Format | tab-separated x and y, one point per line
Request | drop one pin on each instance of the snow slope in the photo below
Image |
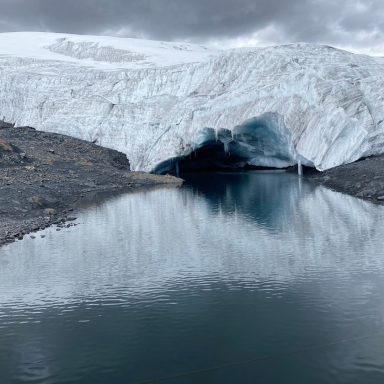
156	101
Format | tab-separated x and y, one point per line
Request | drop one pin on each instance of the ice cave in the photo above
258	143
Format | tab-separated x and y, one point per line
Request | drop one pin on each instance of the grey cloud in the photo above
327	21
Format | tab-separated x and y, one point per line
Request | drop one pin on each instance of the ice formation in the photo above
172	103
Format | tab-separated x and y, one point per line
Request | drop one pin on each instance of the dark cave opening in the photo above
213	156
259	143
210	157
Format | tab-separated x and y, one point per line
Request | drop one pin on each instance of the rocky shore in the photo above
363	179
45	177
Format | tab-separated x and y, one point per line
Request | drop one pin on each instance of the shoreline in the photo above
363	179
45	178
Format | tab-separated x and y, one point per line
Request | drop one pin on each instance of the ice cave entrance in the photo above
259	143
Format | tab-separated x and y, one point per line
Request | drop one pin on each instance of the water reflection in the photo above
229	267
270	199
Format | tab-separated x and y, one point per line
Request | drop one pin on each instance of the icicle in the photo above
216	135
299	168
226	147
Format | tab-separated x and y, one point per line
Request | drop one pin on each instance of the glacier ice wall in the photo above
156	101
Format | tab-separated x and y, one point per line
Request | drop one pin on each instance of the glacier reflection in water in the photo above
244	277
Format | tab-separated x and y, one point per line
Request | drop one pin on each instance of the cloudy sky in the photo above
351	24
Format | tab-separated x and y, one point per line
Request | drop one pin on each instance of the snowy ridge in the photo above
156	101
100	52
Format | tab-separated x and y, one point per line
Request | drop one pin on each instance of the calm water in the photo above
234	278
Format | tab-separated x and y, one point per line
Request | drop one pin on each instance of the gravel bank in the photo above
363	179
45	177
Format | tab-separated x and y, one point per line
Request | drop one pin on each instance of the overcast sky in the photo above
350	24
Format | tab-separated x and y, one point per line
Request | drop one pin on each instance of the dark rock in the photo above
35	190
363	179
49	212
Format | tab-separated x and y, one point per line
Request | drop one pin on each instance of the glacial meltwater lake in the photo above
234	278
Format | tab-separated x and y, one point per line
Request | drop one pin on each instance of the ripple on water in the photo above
170	281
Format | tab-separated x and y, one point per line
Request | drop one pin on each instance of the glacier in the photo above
170	105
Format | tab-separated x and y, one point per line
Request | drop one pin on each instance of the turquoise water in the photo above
233	278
